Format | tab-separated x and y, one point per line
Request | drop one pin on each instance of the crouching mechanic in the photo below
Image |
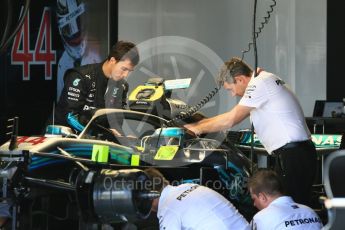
192	206
278	211
96	86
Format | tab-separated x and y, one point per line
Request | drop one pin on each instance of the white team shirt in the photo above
284	213
277	116
191	206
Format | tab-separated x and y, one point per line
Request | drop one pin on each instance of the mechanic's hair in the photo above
232	68
123	50
266	181
157	179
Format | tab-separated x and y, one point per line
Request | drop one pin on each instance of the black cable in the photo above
43	212
20	23
261	27
255	74
254	40
193	109
8	21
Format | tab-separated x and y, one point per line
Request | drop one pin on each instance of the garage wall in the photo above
293	44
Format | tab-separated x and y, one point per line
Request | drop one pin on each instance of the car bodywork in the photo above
62	178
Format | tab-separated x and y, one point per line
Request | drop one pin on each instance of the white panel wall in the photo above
292	45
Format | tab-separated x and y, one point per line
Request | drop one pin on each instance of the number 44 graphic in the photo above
43	54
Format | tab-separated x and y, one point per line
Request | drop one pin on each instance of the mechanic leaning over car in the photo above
278	121
192	206
95	86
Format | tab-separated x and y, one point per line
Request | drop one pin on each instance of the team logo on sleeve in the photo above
249	90
76	82
280	82
114	94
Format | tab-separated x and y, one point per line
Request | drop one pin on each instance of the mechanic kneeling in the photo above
192	206
277	210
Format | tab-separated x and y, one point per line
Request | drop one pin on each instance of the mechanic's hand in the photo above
192	130
116	133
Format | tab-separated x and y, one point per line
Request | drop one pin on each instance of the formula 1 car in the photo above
97	178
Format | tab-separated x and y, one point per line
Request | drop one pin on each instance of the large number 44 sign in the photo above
43	54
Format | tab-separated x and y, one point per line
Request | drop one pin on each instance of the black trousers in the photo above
296	165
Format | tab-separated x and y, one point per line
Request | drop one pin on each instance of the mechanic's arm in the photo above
220	122
74	95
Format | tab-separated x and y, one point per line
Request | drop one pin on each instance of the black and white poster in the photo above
55	35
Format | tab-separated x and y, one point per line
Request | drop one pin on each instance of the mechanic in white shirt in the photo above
192	206
278	121
276	210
